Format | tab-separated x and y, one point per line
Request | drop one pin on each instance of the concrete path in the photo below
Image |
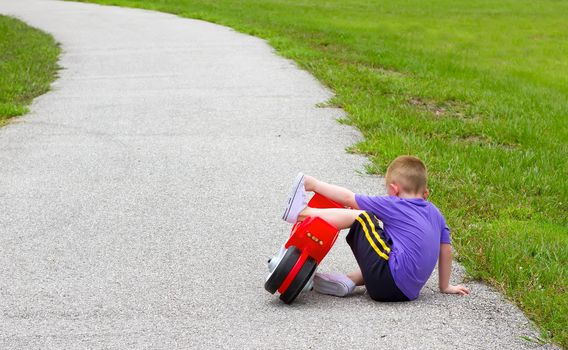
141	197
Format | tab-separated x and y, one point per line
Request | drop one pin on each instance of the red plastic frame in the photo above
314	237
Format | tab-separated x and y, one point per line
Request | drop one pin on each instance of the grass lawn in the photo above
28	64
476	88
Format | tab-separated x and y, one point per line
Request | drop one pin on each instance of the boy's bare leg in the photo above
337	194
340	218
357	277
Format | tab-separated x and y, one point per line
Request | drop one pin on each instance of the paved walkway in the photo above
141	198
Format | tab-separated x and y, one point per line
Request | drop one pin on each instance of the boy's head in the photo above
407	177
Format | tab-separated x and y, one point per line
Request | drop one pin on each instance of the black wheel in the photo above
299	281
282	270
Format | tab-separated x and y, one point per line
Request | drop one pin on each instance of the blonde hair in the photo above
409	173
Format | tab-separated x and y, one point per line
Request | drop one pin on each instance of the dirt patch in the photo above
450	108
486	141
386	72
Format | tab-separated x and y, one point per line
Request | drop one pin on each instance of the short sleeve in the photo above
445	236
379	206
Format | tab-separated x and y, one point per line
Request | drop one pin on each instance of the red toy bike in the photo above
310	241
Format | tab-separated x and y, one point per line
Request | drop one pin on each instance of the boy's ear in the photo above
426	193
393	189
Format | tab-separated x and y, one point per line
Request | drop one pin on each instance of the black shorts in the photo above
371	248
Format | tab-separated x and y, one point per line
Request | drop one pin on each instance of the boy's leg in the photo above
337	194
340	218
357	277
297	210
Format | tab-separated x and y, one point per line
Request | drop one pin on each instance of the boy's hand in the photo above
459	289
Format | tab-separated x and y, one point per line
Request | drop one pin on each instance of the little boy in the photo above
395	260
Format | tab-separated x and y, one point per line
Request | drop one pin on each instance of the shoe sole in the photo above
292	195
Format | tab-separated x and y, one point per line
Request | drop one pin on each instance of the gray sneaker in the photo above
333	284
297	200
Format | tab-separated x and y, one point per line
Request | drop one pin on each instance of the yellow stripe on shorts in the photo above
385	247
381	254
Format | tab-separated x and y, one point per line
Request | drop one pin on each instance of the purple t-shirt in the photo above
417	228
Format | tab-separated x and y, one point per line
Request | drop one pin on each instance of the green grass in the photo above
477	88
28	64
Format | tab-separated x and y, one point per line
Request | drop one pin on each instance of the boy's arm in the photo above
444	271
337	194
